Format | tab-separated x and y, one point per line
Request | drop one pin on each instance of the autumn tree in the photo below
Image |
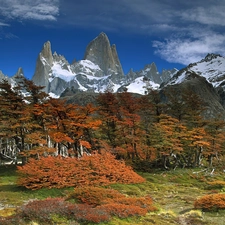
167	140
13	117
215	137
68	126
109	114
194	108
132	136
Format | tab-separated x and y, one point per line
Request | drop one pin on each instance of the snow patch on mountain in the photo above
213	70
58	71
212	67
140	85
88	64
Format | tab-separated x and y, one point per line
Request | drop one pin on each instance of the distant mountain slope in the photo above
207	79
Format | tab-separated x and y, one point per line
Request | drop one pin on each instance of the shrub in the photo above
43	211
212	202
113	202
123	210
95	170
94	195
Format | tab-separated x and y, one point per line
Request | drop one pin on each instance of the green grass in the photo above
12	195
173	193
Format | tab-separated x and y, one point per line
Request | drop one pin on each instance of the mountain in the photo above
14	79
207	79
99	70
105	56
209	96
212	67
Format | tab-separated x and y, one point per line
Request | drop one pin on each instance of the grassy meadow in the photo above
173	192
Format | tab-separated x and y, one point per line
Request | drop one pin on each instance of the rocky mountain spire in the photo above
151	72
100	52
47	52
19	75
117	62
19	72
2	76
43	67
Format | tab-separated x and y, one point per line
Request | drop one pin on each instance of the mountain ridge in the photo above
98	71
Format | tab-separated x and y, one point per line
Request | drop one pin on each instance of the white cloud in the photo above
208	14
4	24
189	50
30	9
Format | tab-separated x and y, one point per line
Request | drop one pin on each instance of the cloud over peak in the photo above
186	50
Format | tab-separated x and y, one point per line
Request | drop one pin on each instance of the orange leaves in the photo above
60	137
211	202
113	201
98	169
85	144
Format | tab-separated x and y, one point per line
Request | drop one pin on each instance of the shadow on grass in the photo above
12	188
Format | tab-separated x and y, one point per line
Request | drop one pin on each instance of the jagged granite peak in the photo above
119	73
100	52
131	75
18	77
19	72
43	67
168	74
46	53
210	56
2	76
61	60
150	71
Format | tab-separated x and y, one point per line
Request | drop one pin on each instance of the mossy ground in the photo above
173	193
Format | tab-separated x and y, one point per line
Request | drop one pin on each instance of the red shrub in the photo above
95	170
94	195
42	210
115	203
122	210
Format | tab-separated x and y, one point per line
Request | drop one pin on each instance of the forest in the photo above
144	131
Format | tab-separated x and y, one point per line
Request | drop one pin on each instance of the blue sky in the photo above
170	33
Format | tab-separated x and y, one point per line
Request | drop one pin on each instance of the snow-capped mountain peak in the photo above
212	67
